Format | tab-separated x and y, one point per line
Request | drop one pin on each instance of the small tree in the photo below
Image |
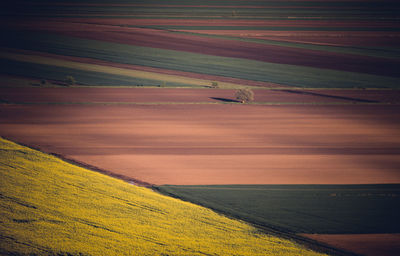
244	95
43	81
70	80
214	85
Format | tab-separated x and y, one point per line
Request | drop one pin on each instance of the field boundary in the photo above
271	230
130	180
199	103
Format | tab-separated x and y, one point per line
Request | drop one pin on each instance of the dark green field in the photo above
322	209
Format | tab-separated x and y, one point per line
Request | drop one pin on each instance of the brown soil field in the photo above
236	23
219	144
194	6
328	95
222	47
364	244
143	95
378	96
111	95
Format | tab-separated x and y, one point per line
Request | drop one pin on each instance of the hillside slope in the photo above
50	207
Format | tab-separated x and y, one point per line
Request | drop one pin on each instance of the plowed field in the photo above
364	244
146	95
219	144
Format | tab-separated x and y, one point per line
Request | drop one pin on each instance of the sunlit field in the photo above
50	207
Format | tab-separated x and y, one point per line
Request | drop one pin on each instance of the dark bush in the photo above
244	95
214	85
70	80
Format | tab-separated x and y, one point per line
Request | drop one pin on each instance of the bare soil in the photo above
364	244
145	95
237	23
113	95
219	144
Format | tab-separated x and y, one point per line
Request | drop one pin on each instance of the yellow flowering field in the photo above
50	207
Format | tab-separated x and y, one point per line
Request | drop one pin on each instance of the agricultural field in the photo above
38	94
288	43
314	158
216	143
314	209
50	207
177	136
359	213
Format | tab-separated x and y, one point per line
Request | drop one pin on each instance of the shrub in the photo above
70	80
214	85
43	81
244	95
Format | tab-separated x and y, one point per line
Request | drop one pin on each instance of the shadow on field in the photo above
223	99
331	96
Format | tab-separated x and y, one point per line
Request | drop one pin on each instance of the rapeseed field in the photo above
50	207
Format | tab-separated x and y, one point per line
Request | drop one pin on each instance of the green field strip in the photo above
136	76
380	52
51	207
83	77
372	51
324	209
198	63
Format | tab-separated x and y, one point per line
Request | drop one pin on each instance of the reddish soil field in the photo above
143	95
327	95
226	48
120	95
219	144
364	244
236	23
377	96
